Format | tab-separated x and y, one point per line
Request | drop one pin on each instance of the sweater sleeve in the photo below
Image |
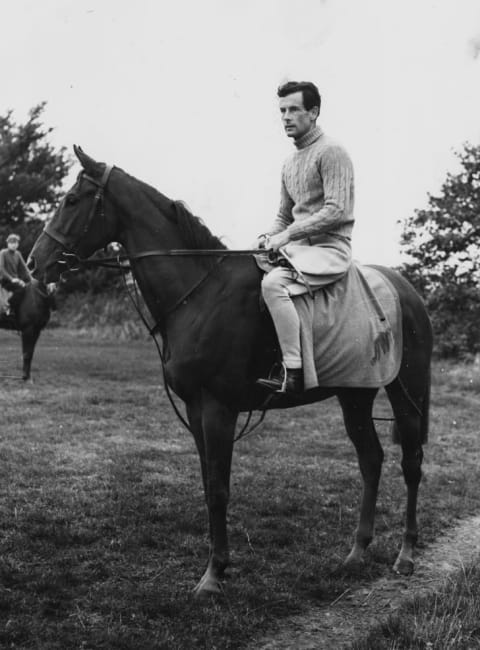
284	217
335	169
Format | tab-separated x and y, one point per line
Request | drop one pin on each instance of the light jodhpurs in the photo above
280	283
284	314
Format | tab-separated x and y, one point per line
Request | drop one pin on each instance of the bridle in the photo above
62	239
73	262
70	256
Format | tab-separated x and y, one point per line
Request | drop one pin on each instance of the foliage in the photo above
104	316
443	245
31	176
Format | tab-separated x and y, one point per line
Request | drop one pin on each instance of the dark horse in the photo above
217	341
32	314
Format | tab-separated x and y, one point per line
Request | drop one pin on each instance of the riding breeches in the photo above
284	315
281	283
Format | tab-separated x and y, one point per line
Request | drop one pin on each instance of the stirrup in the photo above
290	381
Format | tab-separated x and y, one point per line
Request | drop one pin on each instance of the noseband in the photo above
62	239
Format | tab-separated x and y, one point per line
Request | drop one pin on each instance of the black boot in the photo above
289	381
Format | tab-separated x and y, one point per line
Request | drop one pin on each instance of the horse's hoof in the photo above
355	559
353	565
403	566
207	588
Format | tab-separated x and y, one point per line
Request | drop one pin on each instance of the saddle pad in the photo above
351	331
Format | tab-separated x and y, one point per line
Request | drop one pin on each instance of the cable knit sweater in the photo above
317	191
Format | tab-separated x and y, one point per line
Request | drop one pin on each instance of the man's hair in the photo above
13	237
310	94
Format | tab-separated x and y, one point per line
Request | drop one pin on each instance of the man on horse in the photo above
312	231
14	274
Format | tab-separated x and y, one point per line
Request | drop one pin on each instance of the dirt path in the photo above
355	612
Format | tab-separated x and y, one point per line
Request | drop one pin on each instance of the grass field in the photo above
103	525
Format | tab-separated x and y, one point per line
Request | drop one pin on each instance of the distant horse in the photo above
217	341
31	316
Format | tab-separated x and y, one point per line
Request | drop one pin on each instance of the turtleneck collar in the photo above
309	138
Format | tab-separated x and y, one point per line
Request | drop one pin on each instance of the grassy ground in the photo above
448	617
103	527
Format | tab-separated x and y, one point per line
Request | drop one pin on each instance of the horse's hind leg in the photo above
357	412
411	421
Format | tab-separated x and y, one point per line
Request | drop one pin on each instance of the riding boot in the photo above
290	381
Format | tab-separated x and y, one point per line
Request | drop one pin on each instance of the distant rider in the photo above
14	274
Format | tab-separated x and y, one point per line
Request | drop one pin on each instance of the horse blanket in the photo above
351	331
4	296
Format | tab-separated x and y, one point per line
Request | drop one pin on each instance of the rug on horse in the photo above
4	296
351	331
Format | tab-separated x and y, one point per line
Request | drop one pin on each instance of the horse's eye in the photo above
71	199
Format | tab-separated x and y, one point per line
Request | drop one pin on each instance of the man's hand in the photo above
275	242
260	242
18	281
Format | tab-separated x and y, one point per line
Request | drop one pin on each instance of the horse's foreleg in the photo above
29	339
357	413
218	425
194	414
409	423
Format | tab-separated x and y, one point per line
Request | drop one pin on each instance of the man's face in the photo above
12	245
296	119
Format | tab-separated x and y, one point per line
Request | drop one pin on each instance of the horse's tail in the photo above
424	412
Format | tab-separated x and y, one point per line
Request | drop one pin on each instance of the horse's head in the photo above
81	224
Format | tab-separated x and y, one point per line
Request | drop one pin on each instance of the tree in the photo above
443	246
31	176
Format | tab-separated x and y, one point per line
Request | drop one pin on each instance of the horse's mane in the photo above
192	229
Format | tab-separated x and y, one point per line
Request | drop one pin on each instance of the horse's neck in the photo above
162	280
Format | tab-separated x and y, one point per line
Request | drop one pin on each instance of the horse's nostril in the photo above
31	264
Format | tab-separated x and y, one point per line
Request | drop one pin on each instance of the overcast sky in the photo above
182	94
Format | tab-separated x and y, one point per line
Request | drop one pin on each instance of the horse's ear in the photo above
90	165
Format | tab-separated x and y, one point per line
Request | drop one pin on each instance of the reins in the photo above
70	258
113	262
244	431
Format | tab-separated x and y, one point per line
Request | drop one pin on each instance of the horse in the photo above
31	316
217	340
